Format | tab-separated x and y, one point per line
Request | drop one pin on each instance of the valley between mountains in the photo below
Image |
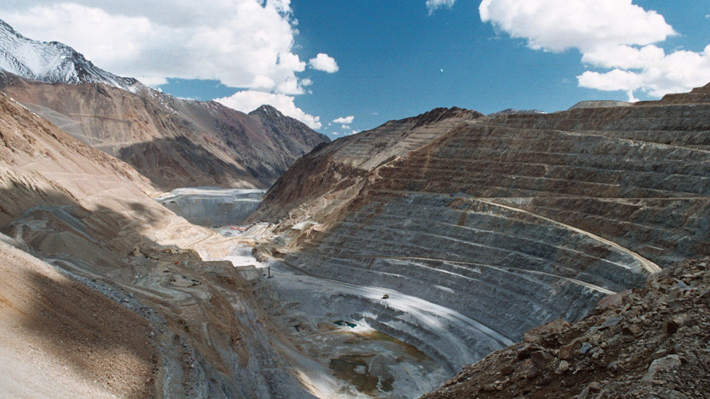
154	247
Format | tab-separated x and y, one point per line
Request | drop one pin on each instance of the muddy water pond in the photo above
368	372
356	370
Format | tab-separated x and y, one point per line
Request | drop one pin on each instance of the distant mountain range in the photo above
173	142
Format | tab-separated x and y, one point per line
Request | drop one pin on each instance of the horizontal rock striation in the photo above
646	196
518	219
334	173
506	269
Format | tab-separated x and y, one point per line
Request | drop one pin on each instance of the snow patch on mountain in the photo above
53	62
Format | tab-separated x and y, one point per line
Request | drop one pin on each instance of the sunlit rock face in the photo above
513	220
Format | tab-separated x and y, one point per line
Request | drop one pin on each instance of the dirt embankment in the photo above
59	338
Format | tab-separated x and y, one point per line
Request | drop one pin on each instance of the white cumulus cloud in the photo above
433	5
152	81
249	100
556	25
241	43
324	62
344	120
666	73
245	44
613	35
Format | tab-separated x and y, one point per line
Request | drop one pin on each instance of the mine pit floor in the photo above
328	323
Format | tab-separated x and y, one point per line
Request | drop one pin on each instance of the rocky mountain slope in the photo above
173	142
334	173
110	296
513	220
642	343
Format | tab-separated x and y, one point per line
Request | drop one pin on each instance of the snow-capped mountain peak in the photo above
52	62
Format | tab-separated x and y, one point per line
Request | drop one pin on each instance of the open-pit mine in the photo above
378	265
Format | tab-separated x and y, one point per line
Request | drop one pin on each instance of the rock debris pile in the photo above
642	343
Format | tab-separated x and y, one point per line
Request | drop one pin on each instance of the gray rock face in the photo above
504	268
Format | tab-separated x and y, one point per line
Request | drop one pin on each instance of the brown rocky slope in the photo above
643	343
334	173
110	297
173	142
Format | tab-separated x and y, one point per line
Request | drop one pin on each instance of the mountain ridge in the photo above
74	319
174	142
53	62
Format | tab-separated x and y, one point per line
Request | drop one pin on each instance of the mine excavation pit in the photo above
367	338
408	288
189	233
334	324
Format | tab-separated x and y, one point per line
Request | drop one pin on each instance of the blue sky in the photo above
365	62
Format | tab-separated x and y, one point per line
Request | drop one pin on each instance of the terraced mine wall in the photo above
517	220
332	174
503	268
642	193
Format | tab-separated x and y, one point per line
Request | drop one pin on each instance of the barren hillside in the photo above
645	343
173	142
112	298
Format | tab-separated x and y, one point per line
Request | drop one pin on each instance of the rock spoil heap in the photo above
643	343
